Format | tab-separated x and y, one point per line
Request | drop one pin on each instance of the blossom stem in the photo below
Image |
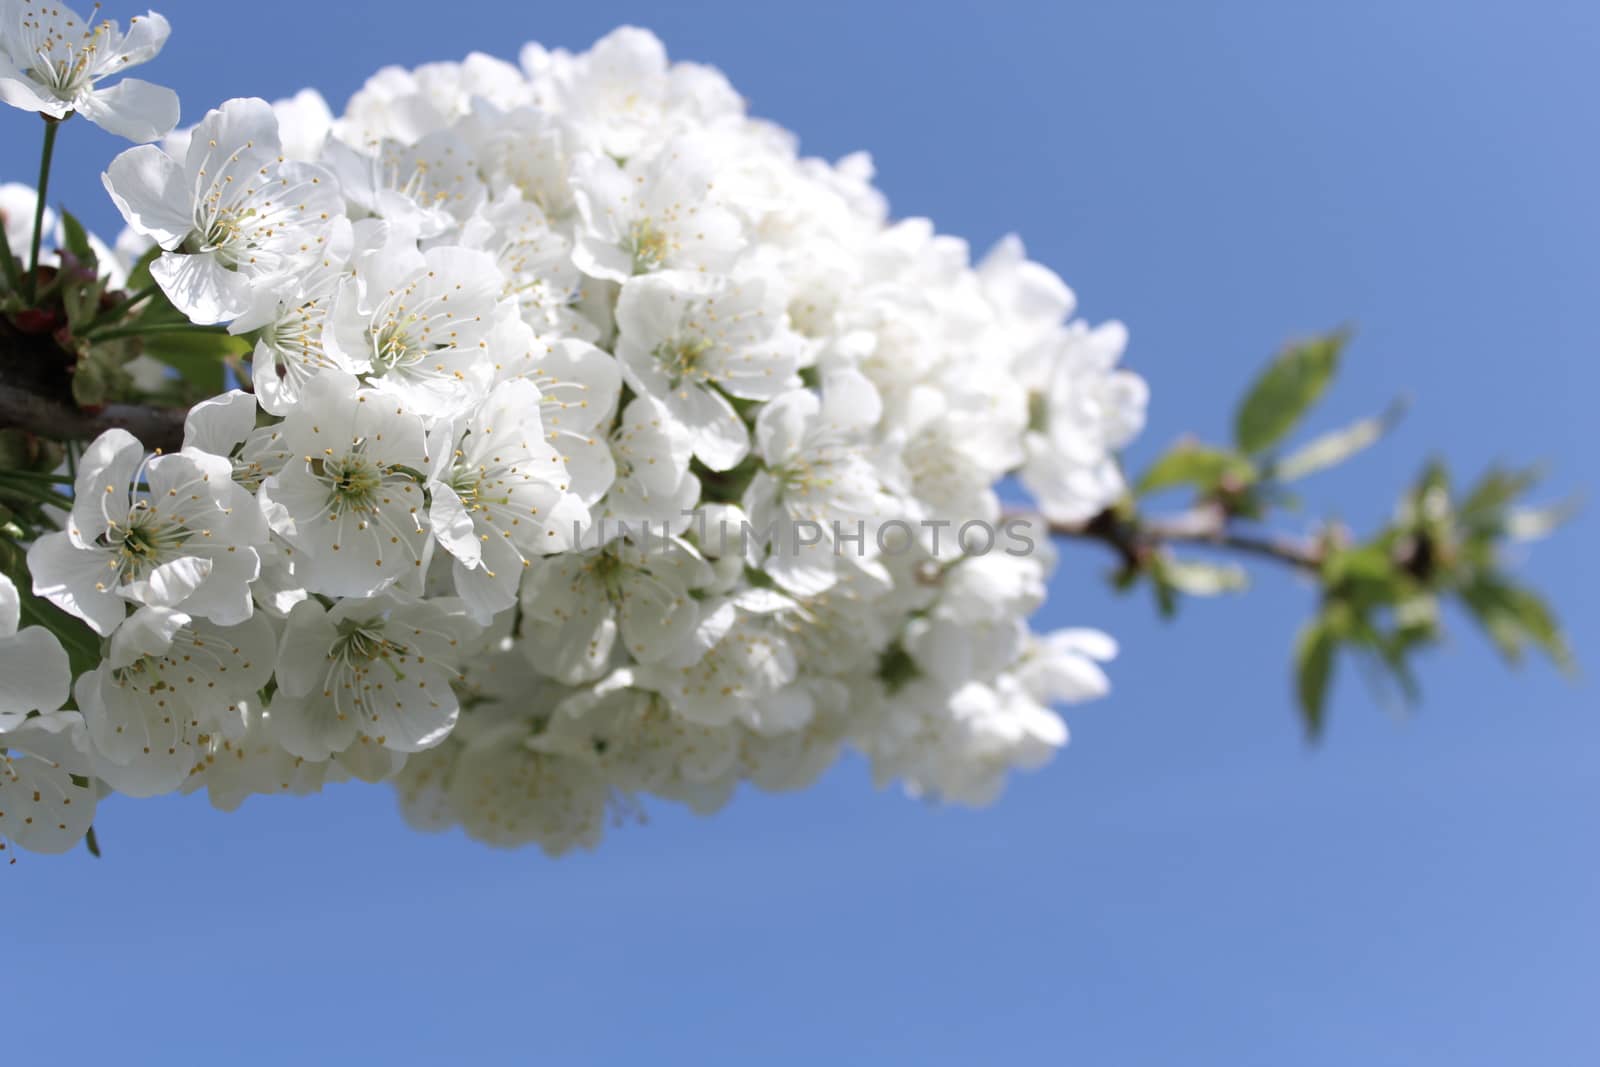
149	328
40	476
50	127
38	492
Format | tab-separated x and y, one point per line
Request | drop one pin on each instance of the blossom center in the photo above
353	481
680	358
64	66
648	244
144	542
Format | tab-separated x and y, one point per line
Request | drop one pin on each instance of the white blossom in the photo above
233	215
170	531
350	500
501	499
377	670
169	683
52	61
692	342
596	447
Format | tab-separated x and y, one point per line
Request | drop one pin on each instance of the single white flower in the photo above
529	151
1029	299
1083	410
622	96
1063	666
377	669
289	321
956	440
652	213
692	341
978	625
170	683
52	61
744	676
235	215
418	325
654	487
350	502
578	389
233	769
171	531
508	792
959	745
536	263
427	188
818	481
576	606
46	804
501	499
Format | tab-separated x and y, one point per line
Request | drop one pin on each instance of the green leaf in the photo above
1485	504
1541	626
1313	658
1515	617
1366	573
1285	391
198	356
1200	466
76	240
139	275
1332	449
1166	593
80	280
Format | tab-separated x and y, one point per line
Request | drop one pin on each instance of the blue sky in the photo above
1189	882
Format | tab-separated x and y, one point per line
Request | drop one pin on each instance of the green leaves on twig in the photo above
1285	391
1380	600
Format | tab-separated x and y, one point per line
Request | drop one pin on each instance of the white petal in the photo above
452	525
133	109
147	35
10	606
201	287
720	437
148	187
34	673
74	580
170	584
220	424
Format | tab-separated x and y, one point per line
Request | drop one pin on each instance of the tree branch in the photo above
155	427
1209	526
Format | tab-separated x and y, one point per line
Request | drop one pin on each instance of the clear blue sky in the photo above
1188	883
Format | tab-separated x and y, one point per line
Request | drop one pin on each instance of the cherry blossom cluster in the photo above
530	341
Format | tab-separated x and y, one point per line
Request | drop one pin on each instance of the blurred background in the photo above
1190	882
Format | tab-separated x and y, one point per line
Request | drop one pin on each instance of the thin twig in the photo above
1207	526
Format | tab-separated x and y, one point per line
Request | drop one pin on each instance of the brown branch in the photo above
155	427
1136	541
36	370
